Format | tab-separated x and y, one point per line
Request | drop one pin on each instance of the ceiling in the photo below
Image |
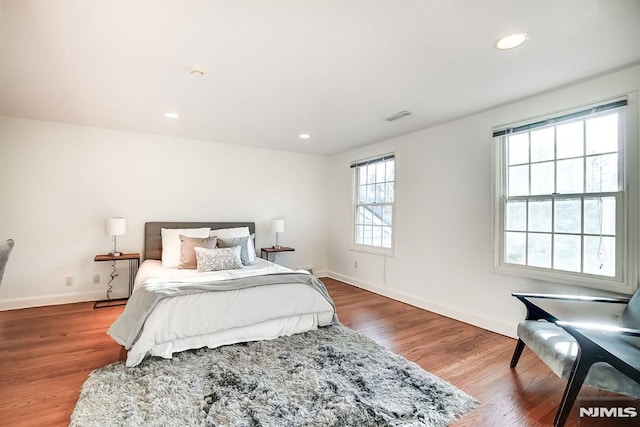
274	69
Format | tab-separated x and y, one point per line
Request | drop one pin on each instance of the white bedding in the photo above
150	269
220	318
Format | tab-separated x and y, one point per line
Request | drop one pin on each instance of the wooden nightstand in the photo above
134	263
265	252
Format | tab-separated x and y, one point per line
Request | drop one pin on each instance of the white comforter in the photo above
224	317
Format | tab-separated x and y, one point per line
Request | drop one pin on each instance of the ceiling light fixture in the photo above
197	71
398	115
511	41
304	136
171	115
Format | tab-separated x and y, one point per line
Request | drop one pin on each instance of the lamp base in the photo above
115	253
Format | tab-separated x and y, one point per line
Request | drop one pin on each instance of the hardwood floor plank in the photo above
48	352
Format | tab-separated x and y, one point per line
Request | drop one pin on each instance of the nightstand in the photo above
134	263
266	252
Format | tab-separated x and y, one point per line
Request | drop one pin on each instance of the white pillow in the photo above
171	243
227	233
252	248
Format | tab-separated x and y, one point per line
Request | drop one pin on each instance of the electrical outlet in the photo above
96	278
68	281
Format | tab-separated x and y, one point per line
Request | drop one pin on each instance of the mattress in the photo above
218	318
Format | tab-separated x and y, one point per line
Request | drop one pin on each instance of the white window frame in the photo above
371	248
626	280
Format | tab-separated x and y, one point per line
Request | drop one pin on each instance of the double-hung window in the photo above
374	202
561	198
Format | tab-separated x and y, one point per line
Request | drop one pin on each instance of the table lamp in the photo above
115	227
277	226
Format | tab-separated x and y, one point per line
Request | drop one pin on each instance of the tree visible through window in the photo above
374	201
561	194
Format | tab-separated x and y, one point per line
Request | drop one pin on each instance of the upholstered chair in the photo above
602	356
5	250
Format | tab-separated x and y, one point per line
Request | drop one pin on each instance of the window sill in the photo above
592	282
389	252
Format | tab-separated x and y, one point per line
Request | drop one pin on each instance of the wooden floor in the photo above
46	354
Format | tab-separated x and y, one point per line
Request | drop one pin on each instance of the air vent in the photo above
399	115
197	71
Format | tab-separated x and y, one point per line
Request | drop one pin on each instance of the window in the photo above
561	197
374	201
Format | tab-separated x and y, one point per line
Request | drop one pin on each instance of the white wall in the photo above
58	182
444	218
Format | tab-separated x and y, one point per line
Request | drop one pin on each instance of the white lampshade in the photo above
115	226
277	225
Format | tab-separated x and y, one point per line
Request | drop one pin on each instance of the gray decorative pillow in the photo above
218	259
187	254
243	242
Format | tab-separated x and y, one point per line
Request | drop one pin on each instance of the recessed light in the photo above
511	41
304	136
171	115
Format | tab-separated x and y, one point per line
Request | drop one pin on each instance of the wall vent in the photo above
399	115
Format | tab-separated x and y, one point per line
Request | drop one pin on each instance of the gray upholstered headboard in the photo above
153	236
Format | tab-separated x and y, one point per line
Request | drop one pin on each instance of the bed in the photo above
174	309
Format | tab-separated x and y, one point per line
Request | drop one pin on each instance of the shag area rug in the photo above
329	377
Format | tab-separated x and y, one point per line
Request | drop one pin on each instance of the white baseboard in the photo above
444	310
39	301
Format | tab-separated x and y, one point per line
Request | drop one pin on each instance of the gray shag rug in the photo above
332	376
